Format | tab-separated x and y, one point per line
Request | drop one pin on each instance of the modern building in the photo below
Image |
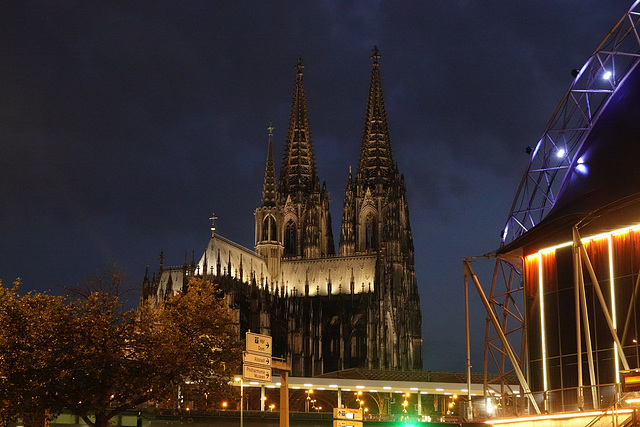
358	308
571	244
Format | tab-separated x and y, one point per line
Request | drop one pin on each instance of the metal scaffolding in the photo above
553	161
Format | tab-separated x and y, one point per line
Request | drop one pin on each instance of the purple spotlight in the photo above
606	75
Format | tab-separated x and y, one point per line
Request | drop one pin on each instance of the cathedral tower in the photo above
326	313
376	221
307	221
269	217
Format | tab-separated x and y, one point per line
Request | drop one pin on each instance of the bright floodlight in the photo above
606	75
582	168
560	152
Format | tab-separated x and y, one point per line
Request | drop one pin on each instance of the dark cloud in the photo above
123	125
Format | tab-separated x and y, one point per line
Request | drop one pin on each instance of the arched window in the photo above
265	229
273	235
290	240
370	233
269	229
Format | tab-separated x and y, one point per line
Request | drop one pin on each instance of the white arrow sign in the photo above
256	373
257	343
256	359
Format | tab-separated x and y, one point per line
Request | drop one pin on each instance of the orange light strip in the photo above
543	331
576	415
628	229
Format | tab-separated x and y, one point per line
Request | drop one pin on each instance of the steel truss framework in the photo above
553	160
554	157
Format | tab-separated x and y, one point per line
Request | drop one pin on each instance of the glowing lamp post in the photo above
358	395
308	400
405	403
241	396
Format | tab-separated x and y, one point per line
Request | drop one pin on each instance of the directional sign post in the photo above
343	417
256	365
260	344
346	423
256	359
347	414
254	373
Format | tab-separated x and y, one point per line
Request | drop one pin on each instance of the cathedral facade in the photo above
358	308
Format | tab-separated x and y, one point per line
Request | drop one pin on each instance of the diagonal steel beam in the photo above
468	272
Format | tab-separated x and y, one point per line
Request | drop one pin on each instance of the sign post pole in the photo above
257	367
284	369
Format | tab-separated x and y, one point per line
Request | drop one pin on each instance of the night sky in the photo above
124	125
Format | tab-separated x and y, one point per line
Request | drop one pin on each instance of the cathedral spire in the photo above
376	158
269	187
298	167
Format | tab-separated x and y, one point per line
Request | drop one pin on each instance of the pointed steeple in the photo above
298	167
269	187
376	158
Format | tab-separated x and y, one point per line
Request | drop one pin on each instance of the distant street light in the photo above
308	399
239	379
405	403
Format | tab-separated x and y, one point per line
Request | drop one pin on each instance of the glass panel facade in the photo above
551	317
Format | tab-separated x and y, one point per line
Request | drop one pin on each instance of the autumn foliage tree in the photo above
99	359
34	340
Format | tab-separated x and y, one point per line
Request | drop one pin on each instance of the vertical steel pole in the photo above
603	305
466	318
284	398
576	296
586	328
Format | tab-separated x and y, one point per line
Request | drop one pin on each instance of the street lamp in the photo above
239	379
359	399
452	404
308	399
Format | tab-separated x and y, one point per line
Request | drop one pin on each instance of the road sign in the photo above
255	373
257	360
347	414
346	423
257	343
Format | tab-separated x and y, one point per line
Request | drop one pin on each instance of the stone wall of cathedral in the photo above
360	309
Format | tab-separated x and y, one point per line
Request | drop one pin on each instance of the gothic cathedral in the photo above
325	312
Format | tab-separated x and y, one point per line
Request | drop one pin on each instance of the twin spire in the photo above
299	174
376	159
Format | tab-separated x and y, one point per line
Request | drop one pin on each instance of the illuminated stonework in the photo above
360	309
